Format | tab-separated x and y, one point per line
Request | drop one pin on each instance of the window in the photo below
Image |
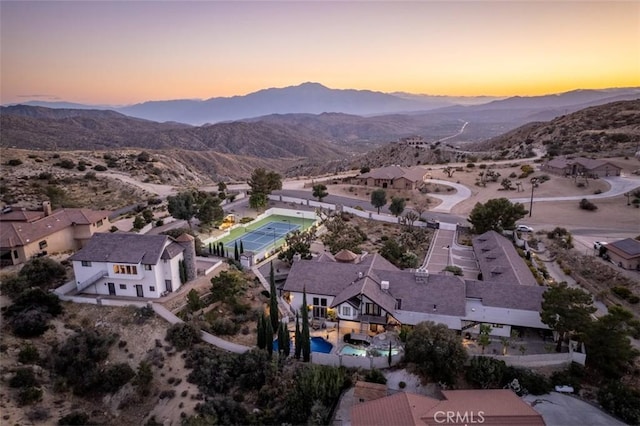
86	263
319	307
398	303
99	223
346	311
373	309
123	286
152	288
42	244
125	269
147	267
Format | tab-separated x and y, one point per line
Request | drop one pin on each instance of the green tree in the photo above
621	400
296	242
485	372
138	222
378	198
262	338
209	210
182	206
298	339
41	272
268	336
226	286
436	351
341	235
261	184
607	341
273	299
304	334
182	335
397	206
484	340
566	309
193	300
496	214
147	215
320	191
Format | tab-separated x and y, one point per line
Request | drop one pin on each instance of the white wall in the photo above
413	318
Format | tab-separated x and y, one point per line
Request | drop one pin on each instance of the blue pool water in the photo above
318	344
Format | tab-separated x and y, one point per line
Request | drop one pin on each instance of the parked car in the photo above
524	228
598	245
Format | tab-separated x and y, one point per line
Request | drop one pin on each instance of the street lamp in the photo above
534	182
274	237
301	215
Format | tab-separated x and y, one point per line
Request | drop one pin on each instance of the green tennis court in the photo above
264	236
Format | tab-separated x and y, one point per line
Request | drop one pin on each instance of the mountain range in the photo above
314	98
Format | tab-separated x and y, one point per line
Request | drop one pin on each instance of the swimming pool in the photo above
318	344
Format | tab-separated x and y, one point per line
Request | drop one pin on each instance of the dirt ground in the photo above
611	212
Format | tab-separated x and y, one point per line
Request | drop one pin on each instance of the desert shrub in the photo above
622	292
633	299
167	394
43	272
75	418
77	360
99	168
90	176
66	164
224	326
182	335
38	414
13	285
114	377
587	205
29	395
485	372
14	162
375	376
456	270
621	401
31	311
29	355
23	378
572	376
213	370
403	385
534	383
45	176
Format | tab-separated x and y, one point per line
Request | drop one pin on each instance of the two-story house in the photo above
368	294
26	233
128	264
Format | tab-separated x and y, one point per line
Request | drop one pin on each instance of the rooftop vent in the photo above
384	285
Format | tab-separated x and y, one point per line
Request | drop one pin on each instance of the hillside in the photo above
605	130
50	129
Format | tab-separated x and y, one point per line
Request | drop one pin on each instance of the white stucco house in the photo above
128	264
368	294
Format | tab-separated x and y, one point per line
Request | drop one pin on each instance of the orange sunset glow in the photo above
120	53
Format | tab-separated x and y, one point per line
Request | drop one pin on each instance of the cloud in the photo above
49	97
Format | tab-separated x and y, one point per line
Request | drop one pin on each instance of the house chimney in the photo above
384	285
46	208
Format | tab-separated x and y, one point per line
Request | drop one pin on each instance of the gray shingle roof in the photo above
172	250
628	246
499	261
123	248
501	295
446	292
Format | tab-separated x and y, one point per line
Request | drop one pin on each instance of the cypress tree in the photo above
285	340
269	337
273	299
306	339
221	249
236	254
182	269
241	247
261	332
298	339
390	356
210	248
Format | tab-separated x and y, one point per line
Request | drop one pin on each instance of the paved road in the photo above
560	410
619	186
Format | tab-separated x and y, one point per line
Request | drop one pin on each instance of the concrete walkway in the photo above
448	200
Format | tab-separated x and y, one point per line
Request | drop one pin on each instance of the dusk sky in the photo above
127	52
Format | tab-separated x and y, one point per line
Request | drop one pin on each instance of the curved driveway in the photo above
449	200
619	186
